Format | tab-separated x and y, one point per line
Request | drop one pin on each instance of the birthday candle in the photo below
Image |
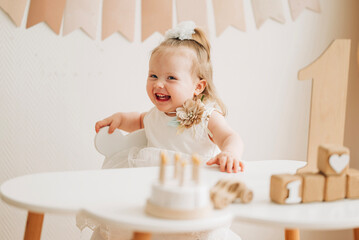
162	167
177	166
183	166
195	168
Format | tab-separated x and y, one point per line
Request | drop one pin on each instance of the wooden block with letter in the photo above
352	183
286	188
313	187
335	187
333	159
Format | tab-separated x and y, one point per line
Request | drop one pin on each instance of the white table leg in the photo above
141	236
292	234
356	233
33	226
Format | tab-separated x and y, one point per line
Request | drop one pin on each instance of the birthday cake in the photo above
180	196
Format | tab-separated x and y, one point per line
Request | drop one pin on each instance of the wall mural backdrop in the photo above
156	15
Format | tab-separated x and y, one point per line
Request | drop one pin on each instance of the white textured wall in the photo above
53	89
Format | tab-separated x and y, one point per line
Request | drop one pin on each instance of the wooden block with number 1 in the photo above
286	188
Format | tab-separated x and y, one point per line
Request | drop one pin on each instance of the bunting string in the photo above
195	10
298	6
156	15
15	9
264	9
118	15
81	14
49	11
230	13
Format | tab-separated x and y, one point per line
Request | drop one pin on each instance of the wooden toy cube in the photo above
333	159
286	188
313	187
335	187
352	183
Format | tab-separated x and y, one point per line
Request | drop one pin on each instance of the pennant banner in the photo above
297	6
15	9
156	17
81	14
49	11
228	12
195	10
118	15
264	9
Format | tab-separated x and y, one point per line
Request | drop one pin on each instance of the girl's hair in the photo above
202	67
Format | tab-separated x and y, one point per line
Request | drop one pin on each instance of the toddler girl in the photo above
187	116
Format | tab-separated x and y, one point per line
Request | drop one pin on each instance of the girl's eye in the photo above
153	76
171	78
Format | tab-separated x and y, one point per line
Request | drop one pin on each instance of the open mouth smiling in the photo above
162	97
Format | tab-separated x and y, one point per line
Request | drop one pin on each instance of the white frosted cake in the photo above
179	198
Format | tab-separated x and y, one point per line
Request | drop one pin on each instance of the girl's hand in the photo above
114	122
227	162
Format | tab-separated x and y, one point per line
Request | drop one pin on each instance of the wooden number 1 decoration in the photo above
329	74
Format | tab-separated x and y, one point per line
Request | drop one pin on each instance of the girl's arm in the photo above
228	141
128	122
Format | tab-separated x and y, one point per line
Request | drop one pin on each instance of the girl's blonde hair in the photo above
202	67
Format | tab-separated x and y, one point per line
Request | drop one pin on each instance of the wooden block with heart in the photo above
333	162
333	159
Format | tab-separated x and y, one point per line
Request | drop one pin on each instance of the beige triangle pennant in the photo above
49	11
264	9
156	17
298	6
118	15
228	12
15	9
82	14
194	10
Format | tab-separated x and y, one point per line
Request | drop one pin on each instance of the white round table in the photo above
126	190
335	215
134	218
341	214
113	196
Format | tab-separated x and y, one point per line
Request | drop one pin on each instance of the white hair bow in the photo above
182	31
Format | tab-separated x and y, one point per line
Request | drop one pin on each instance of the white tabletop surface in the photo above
119	195
335	215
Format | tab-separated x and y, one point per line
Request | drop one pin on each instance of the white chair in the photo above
117	146
130	150
109	144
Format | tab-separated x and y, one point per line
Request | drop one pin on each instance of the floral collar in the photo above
191	113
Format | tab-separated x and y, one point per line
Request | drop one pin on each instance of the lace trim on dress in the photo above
82	222
105	232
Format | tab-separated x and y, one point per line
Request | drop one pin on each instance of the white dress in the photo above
161	133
